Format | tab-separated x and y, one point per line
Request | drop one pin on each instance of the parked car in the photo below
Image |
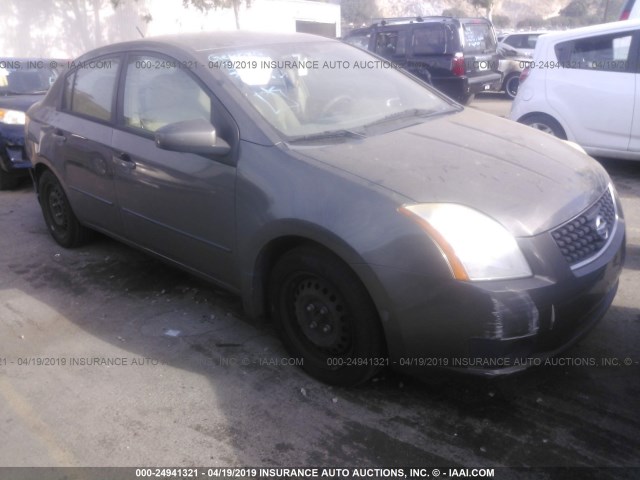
23	81
630	10
582	86
511	64
523	42
457	55
375	221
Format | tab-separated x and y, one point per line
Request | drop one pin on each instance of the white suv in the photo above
582	86
523	42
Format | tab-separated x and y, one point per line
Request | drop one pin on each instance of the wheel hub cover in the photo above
320	315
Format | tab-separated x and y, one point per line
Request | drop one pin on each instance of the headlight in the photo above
12	117
475	246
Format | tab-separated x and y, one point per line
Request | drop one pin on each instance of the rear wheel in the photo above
325	316
545	123
58	215
511	85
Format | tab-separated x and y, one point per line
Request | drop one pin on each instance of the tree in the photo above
359	11
488	5
531	22
454	12
589	12
612	10
206	5
67	28
501	21
576	8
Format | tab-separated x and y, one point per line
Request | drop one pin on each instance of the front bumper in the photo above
498	327
486	82
459	88
13	158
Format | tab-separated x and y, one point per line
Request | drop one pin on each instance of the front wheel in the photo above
546	124
58	215
325	317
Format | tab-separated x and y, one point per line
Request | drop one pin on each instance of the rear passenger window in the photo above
530	41
157	93
391	43
431	40
522	41
609	53
514	40
90	90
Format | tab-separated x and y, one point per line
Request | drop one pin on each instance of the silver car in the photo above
375	221
511	64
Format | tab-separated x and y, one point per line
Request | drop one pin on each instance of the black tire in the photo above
58	215
325	316
511	84
545	123
7	182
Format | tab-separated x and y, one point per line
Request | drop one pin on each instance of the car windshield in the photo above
314	90
16	79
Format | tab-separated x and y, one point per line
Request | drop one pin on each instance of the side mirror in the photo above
191	136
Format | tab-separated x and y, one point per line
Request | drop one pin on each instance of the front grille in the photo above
586	235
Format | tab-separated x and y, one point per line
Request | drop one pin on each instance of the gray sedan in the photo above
375	221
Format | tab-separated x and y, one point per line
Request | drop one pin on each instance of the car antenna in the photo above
140	32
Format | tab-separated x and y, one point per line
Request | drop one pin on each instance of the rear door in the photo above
81	134
480	52
595	90
178	205
433	46
391	43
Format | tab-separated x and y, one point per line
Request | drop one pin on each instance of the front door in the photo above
178	205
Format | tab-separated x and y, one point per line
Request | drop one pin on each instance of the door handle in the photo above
125	161
59	136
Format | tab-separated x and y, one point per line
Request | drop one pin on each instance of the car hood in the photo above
19	102
527	180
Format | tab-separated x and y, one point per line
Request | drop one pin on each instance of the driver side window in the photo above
157	93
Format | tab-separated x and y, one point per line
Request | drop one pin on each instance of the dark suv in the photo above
456	55
23	82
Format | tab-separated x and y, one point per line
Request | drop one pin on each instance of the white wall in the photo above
34	28
263	15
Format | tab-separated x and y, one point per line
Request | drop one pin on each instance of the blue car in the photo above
23	82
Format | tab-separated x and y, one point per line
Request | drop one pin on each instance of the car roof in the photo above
405	21
611	27
205	41
25	59
530	32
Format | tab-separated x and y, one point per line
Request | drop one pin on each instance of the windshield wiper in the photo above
414	112
344	133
